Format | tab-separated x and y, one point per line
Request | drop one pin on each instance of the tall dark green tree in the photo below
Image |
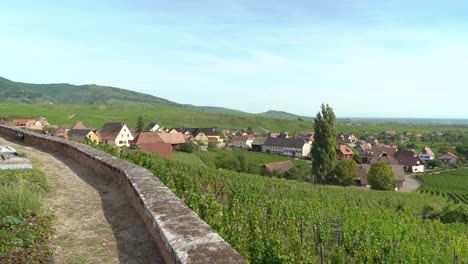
324	146
140	124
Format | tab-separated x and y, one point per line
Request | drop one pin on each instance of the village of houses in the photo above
163	141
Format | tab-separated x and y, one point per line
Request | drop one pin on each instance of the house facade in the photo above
290	147
410	160
344	152
244	142
449	158
116	134
426	154
83	134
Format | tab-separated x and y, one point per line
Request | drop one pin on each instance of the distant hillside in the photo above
283	115
91	94
63	93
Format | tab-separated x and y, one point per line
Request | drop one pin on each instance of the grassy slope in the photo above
451	184
166	116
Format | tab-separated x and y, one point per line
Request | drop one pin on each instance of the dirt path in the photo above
95	222
411	184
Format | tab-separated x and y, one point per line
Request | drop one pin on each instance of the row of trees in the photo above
326	169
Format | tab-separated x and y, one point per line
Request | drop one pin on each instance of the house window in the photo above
128	135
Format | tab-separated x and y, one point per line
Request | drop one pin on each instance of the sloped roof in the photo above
259	141
385	158
147	137
111	130
243	138
284	142
59	133
427	150
450	154
345	150
78	132
366	147
79	125
282	166
175	138
23	122
407	158
150	126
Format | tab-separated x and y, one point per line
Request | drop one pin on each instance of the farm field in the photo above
280	221
96	115
452	185
24	226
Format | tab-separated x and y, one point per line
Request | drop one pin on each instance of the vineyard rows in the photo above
279	221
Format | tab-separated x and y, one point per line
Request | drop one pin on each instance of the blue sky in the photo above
364	58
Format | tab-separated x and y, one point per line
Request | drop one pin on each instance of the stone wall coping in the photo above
180	234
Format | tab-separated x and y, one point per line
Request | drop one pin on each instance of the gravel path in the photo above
94	220
411	184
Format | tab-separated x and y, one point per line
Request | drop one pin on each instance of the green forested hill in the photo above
91	94
63	93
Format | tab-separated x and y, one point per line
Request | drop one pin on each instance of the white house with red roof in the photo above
243	141
426	154
116	134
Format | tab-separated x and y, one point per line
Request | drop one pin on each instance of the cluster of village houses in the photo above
163	141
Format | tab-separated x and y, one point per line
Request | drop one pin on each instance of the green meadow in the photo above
175	116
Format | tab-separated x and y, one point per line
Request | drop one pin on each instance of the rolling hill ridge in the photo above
92	94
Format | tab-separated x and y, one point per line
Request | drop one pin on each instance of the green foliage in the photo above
324	146
451	213
344	173
380	176
435	163
24	227
253	162
167	115
271	220
140	125
450	184
189	147
212	145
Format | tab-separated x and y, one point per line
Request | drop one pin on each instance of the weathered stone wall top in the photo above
181	236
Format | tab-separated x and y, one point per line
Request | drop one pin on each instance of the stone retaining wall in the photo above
180	235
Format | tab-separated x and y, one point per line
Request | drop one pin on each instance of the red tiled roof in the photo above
172	138
451	154
110	131
428	151
147	137
366	147
243	138
22	122
407	158
385	158
79	125
281	166
345	150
